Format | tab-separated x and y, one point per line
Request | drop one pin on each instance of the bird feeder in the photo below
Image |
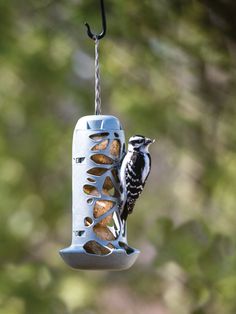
99	237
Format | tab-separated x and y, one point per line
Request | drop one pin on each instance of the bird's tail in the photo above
128	209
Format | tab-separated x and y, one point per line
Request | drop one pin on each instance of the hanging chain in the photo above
98	106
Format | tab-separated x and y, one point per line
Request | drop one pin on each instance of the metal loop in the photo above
104	25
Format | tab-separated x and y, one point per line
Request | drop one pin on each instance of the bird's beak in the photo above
149	141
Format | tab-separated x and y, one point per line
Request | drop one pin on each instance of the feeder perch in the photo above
99	239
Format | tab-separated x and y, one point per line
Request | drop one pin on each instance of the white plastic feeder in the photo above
99	239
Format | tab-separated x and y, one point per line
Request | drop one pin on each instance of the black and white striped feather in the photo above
135	170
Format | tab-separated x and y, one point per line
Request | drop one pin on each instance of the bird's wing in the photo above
134	174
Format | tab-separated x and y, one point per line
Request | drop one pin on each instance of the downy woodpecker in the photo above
134	171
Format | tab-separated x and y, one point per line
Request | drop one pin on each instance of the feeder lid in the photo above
98	122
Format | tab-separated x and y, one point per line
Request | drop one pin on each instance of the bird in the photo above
134	171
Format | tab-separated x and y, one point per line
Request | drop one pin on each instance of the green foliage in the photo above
168	71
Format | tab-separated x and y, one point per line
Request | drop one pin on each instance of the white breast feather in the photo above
146	168
122	173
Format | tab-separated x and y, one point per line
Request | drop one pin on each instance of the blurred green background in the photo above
168	72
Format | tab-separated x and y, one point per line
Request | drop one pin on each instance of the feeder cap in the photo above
98	122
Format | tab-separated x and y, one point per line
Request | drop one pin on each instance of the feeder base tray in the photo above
118	259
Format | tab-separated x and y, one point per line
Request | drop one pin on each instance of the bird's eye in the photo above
136	142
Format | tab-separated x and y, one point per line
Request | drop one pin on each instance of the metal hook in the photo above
104	25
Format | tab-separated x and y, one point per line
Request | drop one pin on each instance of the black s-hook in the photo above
104	25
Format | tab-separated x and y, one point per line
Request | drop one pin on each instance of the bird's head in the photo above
139	143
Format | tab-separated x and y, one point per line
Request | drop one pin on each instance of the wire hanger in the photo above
104	25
